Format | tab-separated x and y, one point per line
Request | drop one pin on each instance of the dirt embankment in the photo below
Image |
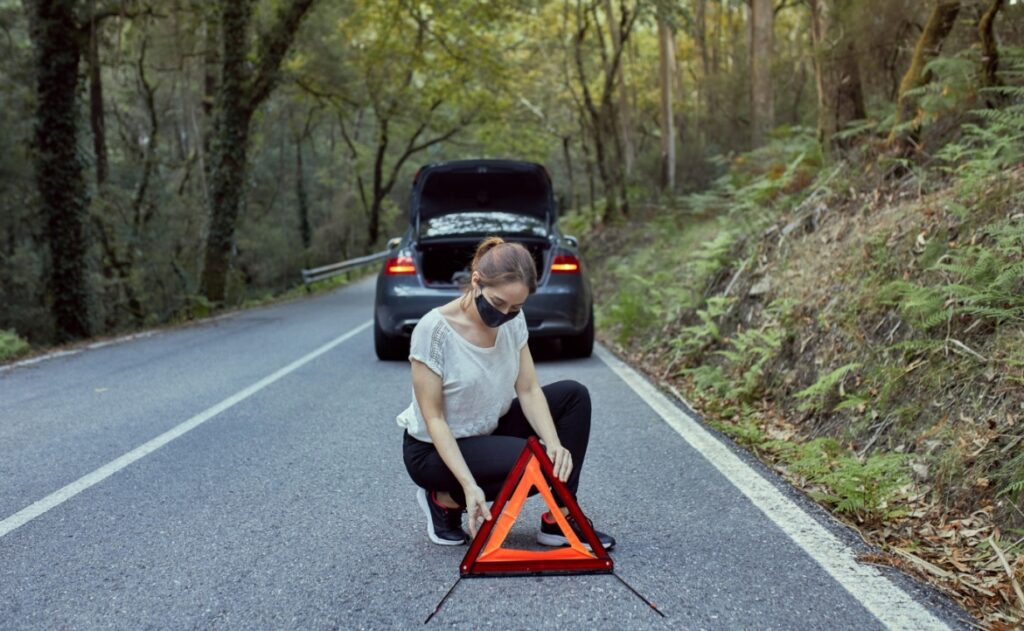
860	345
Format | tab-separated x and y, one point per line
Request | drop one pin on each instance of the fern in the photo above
819	390
864	489
998	142
751	351
1013	487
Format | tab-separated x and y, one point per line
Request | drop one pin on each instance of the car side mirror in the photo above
393	242
572	241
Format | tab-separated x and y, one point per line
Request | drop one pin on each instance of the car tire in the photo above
581	345
388	347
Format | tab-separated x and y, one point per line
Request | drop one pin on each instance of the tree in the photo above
762	109
666	66
416	75
599	108
836	71
989	50
241	91
940	23
59	171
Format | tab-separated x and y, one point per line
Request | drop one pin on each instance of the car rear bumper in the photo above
561	308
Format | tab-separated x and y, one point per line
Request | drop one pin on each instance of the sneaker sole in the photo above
545	539
421	499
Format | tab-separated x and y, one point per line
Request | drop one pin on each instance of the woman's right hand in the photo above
476	508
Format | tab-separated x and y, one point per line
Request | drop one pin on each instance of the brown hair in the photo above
499	262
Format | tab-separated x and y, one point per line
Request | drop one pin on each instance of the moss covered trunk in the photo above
939	25
59	171
228	148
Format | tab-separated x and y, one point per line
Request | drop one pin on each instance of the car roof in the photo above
502	163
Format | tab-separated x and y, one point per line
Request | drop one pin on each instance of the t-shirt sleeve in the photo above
426	345
522	333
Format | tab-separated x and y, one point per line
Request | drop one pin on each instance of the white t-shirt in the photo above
478	384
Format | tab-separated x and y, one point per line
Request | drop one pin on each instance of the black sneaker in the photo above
551	535
444	525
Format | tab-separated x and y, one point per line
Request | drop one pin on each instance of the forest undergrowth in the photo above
859	326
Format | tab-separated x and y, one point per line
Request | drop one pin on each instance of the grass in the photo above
12	346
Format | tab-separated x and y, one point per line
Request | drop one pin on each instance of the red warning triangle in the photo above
533	470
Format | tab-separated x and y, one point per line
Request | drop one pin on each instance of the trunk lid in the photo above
482	197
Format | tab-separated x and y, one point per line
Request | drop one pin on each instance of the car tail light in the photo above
399	265
566	263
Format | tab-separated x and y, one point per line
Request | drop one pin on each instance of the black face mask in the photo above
491	316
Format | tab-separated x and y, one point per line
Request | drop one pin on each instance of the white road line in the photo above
60	496
887	602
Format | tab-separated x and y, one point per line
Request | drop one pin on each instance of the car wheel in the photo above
388	347
581	345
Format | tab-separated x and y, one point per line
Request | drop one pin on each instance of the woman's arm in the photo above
538	414
426	386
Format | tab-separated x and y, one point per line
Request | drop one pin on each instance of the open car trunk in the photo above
444	261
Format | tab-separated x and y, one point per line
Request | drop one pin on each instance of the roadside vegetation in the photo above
804	217
859	325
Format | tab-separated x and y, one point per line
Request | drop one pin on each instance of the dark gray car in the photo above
453	206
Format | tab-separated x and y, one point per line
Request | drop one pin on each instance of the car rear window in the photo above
476	222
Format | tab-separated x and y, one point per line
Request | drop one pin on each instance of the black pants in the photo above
491	457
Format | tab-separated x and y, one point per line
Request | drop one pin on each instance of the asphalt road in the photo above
282	502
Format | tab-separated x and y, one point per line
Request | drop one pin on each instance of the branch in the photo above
416	149
785	4
625	29
319	94
355	160
84	28
578	48
425	25
276	44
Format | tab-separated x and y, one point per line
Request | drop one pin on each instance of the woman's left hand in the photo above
561	461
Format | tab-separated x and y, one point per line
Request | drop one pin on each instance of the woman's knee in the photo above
572	398
576	392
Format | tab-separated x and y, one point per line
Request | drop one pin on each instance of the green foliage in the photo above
713	255
12	346
996	141
922	306
1011	475
983	280
751	350
742	377
953	81
861	488
631	309
745	431
693	339
821	391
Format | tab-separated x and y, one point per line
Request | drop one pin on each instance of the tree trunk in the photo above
229	146
989	49
99	134
301	198
567	154
666	57
941	22
836	73
762	111
704	95
240	92
59	172
624	120
588	162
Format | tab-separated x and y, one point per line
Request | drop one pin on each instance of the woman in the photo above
476	400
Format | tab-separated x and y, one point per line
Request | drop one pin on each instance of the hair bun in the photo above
484	247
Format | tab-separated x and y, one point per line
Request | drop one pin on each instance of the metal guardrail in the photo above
327	271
